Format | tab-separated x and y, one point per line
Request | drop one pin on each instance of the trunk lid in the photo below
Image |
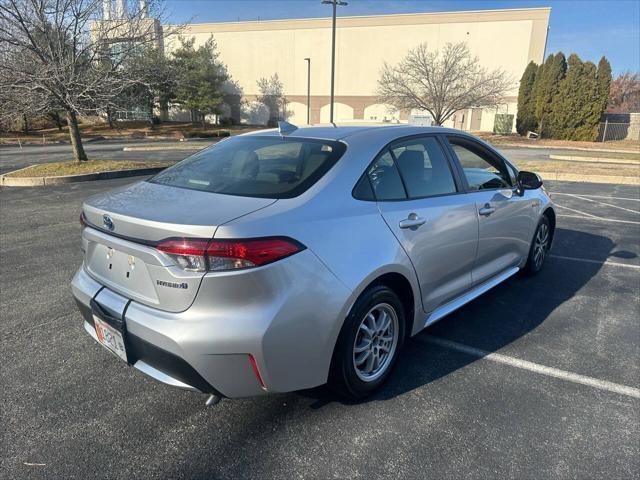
128	222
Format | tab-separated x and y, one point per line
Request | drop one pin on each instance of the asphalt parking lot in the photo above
538	378
14	157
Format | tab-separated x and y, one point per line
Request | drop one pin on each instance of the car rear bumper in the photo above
286	315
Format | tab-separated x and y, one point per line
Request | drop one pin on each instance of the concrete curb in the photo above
574	158
34	142
576	177
7	181
544	147
160	148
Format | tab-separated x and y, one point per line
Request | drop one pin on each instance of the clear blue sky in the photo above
587	27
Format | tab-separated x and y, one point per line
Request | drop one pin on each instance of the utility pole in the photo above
335	4
308	60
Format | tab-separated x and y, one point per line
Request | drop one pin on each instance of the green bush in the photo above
503	123
580	101
227	122
563	98
545	90
206	134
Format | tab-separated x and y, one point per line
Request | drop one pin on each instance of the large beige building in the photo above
508	39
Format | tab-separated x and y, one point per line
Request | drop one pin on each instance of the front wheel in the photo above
368	343
539	247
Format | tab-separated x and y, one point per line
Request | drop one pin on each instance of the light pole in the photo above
334	4
308	60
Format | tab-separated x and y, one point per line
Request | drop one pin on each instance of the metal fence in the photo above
618	131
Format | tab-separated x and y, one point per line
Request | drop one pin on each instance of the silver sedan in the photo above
286	259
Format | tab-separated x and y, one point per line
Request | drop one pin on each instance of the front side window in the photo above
513	175
423	167
482	171
268	167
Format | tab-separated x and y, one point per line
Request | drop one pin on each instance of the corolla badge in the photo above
107	222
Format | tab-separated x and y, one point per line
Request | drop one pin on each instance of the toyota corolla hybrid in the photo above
286	259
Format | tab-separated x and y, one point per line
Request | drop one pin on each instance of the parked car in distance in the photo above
285	259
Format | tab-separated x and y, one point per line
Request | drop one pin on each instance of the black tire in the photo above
343	377
537	252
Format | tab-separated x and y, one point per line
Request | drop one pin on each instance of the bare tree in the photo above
442	82
19	108
70	55
624	96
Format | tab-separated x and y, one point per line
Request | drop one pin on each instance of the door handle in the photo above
486	210
413	221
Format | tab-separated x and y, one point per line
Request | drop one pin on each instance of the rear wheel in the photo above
368	343
539	247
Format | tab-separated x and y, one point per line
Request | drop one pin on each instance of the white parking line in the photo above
577	211
600	219
580	197
596	196
536	367
599	262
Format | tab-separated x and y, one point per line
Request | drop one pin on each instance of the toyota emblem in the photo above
107	222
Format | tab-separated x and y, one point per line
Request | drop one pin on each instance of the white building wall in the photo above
379	112
341	113
507	39
296	113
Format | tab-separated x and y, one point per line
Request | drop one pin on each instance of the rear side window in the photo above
269	167
363	190
423	167
481	170
385	179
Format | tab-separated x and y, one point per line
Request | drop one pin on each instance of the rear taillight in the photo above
199	255
189	254
228	255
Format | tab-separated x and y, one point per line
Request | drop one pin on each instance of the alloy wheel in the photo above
375	342
540	245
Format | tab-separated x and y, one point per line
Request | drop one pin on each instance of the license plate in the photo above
110	338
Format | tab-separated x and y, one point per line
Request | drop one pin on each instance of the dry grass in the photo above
122	129
55	169
632	146
580	168
152	147
595	154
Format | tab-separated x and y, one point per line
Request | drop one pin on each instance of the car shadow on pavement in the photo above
263	425
497	318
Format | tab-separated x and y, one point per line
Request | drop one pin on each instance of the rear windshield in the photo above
270	167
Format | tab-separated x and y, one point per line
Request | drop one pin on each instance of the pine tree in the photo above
569	97
548	83
591	108
576	107
537	93
201	78
526	120
604	83
564	113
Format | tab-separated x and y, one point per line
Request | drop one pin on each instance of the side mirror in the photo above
528	181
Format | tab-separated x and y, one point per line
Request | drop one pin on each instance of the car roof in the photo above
341	132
